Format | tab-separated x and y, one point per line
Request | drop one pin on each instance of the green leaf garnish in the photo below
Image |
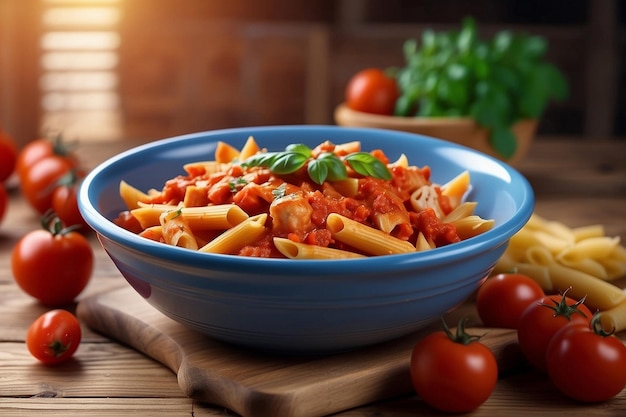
327	165
280	191
368	165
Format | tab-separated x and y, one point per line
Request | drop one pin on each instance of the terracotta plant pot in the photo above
462	130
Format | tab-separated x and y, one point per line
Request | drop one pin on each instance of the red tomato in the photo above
4	201
52	265
40	180
453	373
54	336
372	91
65	203
502	299
541	320
587	364
8	155
39	149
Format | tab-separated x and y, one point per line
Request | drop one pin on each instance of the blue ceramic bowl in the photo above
305	307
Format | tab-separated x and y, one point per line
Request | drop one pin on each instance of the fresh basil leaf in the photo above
336	168
260	160
299	148
318	171
288	162
368	165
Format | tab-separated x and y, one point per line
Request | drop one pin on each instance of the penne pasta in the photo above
217	217
225	153
459	212
456	188
614	268
586	232
594	248
232	240
614	318
250	148
296	250
314	195
365	238
423	244
470	226
599	294
131	195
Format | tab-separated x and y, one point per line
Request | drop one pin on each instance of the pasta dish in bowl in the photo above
304	239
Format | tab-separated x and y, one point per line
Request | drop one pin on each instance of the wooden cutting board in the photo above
251	383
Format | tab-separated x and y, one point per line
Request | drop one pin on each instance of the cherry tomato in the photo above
39	149
53	264
453	373
65	203
40	180
586	363
372	91
4	201
54	336
502	299
8	155
541	320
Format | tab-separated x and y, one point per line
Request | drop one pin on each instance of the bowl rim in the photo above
109	230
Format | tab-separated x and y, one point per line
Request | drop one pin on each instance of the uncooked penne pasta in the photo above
614	268
296	250
586	232
365	238
587	265
614	318
594	248
599	294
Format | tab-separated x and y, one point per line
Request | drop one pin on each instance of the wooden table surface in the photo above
578	182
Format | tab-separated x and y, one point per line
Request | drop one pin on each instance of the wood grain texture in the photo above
576	181
262	385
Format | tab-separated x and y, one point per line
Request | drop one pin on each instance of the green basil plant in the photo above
496	82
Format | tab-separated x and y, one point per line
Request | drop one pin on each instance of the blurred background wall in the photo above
148	69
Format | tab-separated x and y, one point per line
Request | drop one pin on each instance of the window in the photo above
79	59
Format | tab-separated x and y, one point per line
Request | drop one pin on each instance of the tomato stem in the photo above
51	222
598	328
58	348
561	308
461	336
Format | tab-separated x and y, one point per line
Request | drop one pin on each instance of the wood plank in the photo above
256	384
109	407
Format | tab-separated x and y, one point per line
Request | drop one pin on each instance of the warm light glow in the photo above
81	16
105	60
80	101
79	60
78	81
80	40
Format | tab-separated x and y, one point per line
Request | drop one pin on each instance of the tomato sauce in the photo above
298	207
